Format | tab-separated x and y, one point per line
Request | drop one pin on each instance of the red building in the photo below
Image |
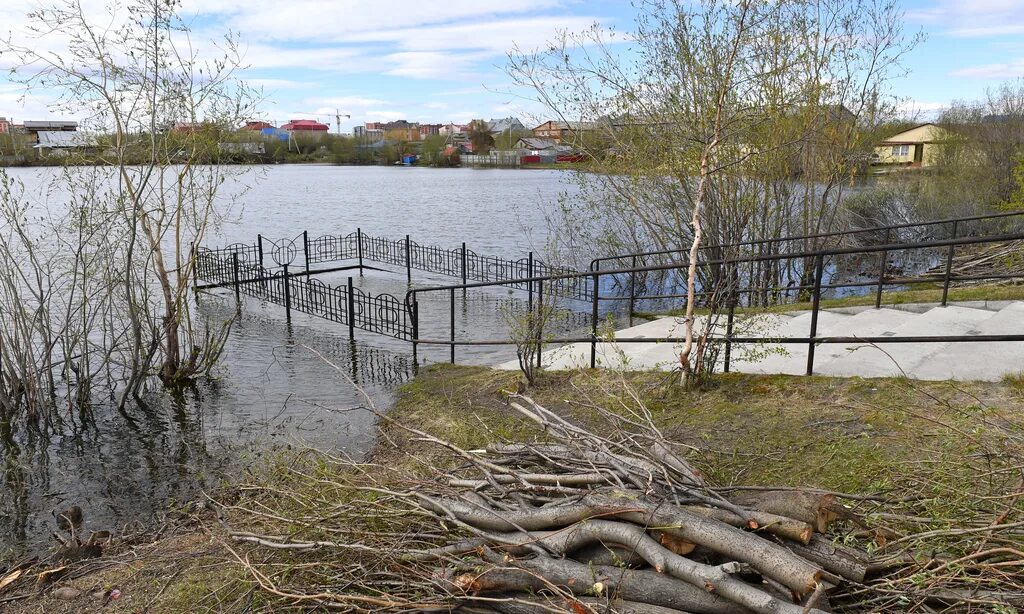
305	125
256	126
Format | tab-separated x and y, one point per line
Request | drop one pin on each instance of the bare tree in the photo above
118	258
725	120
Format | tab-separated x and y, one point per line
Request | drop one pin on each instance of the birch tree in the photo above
726	121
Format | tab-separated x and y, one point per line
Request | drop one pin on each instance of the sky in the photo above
442	61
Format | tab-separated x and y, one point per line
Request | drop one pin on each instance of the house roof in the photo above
925	133
570	125
257	125
53	138
310	125
51	125
506	123
535	143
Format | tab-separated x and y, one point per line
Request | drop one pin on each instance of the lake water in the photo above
272	390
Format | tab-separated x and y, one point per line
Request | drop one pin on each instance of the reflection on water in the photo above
271	391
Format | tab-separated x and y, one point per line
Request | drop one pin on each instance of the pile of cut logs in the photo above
594	521
991	259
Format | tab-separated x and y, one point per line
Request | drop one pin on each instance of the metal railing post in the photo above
305	247
287	295
259	247
234	267
540	321
881	270
465	276
529	284
408	259
451	334
351	306
819	267
733	299
415	327
194	255
593	324
359	249
949	267
632	291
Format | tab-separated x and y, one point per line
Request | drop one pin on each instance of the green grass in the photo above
921	293
851	435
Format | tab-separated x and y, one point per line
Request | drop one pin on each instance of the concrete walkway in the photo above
988	361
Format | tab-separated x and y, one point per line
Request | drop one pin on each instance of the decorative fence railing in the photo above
381	313
461	262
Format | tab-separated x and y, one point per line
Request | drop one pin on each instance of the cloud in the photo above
304	20
278	84
433	65
495	36
1008	70
918	108
974	19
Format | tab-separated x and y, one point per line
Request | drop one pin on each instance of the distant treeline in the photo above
213	146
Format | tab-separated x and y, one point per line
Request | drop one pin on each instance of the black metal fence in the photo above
726	288
384	314
460	262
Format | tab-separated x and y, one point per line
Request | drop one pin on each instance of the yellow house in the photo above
917	147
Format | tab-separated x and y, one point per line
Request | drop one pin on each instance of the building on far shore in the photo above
256	126
917	147
497	126
306	128
564	131
61	143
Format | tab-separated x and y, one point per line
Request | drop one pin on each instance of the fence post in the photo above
259	247
632	291
415	327
359	249
451	335
881	270
234	267
305	247
529	284
949	267
194	255
540	321
351	306
408	259
733	300
819	266
593	324
465	277
287	295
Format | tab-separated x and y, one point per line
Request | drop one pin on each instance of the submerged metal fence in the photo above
383	314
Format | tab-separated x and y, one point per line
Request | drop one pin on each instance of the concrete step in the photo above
893	359
987	361
866	323
788	358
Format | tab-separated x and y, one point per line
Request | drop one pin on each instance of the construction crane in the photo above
337	117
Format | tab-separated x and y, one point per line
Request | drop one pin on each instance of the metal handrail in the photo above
818	256
595	263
